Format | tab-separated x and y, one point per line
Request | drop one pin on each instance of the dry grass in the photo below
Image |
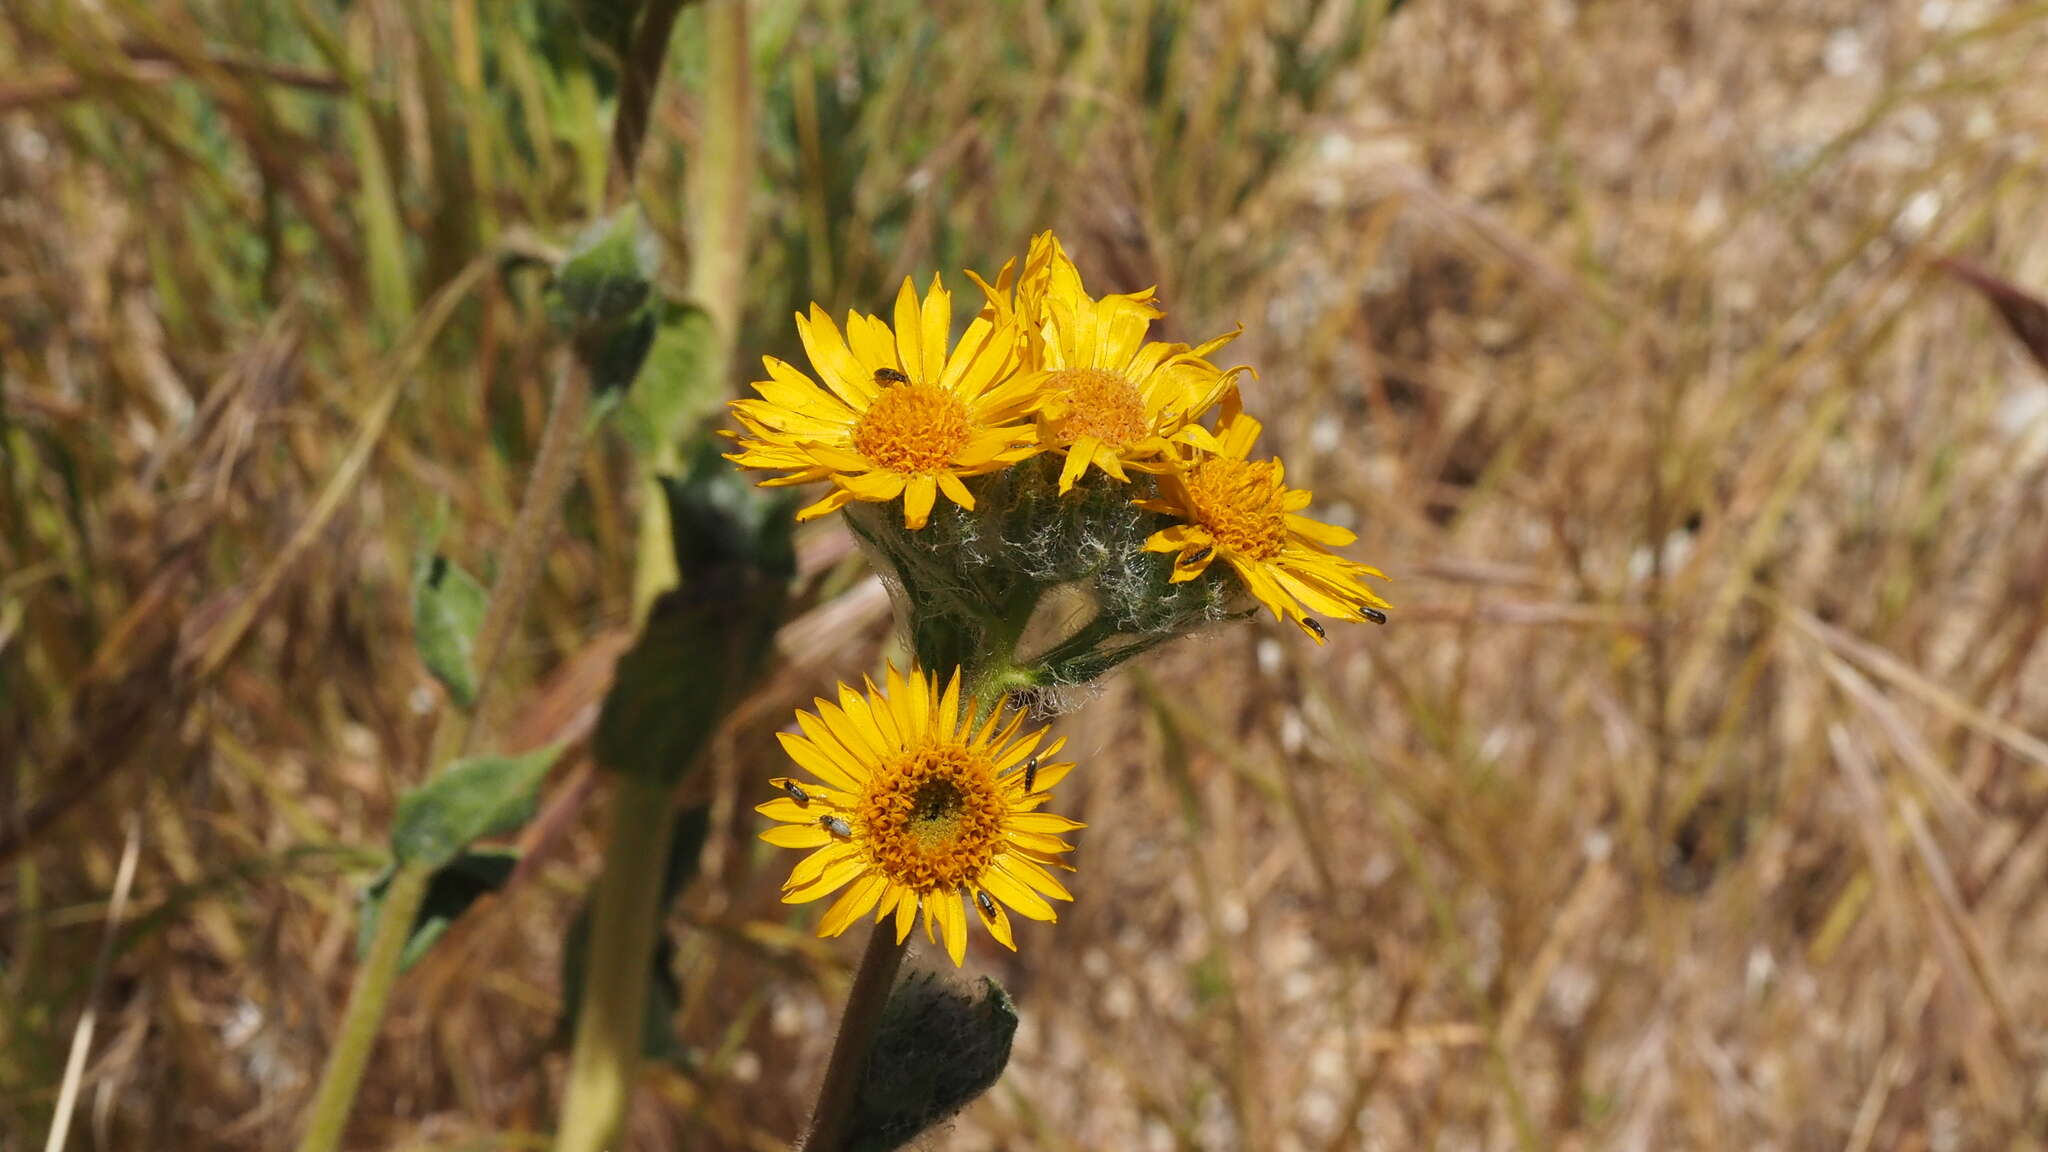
1697	797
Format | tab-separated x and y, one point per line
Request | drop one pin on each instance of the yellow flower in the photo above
1243	512
1108	398
898	415
914	807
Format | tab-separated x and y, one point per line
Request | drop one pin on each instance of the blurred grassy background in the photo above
1696	797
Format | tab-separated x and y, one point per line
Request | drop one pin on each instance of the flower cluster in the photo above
905	413
1082	465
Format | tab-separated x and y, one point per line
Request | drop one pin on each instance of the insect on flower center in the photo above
1099	403
934	819
1239	502
912	428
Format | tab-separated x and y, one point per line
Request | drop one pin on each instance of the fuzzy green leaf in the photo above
674	389
608	276
480	796
706	641
447	610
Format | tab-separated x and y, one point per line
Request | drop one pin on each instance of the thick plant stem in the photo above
720	179
864	1004
627	905
365	1013
625	916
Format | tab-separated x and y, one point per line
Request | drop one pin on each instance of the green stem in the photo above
365	1013
628	894
864	1004
719	179
625	916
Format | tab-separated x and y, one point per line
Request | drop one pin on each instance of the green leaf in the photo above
705	642
658	1040
727	531
608	275
615	354
668	692
476	797
447	610
674	389
451	890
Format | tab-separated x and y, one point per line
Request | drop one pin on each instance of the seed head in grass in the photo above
913	807
1241	511
899	413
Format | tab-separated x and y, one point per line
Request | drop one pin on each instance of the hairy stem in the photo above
625	915
864	1003
525	552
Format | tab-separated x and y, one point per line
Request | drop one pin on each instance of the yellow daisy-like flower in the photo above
914	807
1242	511
899	414
1108	398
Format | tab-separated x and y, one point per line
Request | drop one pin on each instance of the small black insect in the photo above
835	826
795	791
1030	774
988	906
1316	626
887	376
1375	615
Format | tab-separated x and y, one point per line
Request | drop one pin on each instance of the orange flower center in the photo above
934	818
912	428
1239	502
1099	403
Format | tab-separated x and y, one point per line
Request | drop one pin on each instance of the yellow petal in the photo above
830	356
1023	868
936	322
1078	456
1048	775
858	736
826	762
835	877
954	926
797	836
918	496
949	708
1044	822
1016	894
853	904
956	491
1050	845
998	925
813	866
871	708
910	336
906	914
788	811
